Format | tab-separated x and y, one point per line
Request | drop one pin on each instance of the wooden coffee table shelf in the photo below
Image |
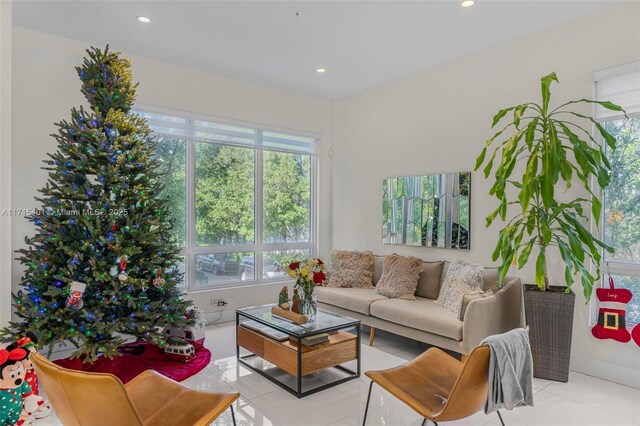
340	348
293	359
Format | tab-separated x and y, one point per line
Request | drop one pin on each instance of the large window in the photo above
241	196
622	197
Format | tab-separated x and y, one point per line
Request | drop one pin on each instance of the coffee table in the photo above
276	349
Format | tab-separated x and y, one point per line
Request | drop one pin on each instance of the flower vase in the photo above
310	307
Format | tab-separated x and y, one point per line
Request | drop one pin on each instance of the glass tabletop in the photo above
323	321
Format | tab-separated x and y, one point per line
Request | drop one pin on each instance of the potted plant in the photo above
544	151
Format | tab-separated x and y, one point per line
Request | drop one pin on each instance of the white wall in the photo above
5	161
45	87
437	121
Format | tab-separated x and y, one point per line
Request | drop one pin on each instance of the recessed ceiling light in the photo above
321	70
143	19
467	3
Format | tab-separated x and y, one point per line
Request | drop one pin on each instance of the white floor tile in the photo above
322	408
374	418
246	415
555	410
249	384
207	380
612	397
381	401
478	419
541	383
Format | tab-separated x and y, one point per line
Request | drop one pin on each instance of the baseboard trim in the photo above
607	371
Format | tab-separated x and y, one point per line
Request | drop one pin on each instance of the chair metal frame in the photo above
423	356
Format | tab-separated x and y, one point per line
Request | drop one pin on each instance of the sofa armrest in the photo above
493	315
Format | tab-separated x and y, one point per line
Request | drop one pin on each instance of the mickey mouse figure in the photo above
33	406
12	386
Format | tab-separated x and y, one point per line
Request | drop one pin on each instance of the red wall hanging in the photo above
612	311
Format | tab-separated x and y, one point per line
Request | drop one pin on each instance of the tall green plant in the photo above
554	150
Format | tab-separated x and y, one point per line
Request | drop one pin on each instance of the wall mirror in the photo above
427	211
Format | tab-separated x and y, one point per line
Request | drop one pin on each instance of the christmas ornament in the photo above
122	276
143	297
115	227
158	281
75	296
612	310
113	271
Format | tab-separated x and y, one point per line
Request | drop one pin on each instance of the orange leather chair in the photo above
437	386
98	399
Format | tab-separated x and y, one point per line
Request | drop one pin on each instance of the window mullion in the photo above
190	216
258	218
314	201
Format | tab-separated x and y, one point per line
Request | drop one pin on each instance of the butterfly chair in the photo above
437	386
97	399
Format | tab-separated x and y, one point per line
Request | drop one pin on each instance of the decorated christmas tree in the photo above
102	266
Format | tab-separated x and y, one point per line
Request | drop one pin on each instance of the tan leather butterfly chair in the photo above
437	386
97	399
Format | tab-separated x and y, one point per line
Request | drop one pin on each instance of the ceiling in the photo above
361	44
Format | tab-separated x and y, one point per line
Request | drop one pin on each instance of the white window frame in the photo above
609	267
258	247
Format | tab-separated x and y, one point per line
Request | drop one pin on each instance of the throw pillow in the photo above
462	278
430	279
400	276
351	269
468	298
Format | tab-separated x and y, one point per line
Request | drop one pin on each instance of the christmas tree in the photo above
103	264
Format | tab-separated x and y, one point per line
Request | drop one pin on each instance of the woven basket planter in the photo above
549	315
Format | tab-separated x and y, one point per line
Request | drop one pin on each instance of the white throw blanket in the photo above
510	371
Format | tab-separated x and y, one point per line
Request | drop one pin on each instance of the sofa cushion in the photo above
430	280
462	278
421	314
378	265
354	299
400	276
490	281
351	269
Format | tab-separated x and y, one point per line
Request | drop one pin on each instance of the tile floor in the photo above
583	401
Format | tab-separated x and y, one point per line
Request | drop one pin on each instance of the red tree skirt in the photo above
128	366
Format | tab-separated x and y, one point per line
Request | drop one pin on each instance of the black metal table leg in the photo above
237	344
299	367
358	354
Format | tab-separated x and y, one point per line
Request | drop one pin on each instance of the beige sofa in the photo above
422	319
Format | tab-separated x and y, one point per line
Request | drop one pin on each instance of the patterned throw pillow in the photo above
351	269
462	278
400	276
